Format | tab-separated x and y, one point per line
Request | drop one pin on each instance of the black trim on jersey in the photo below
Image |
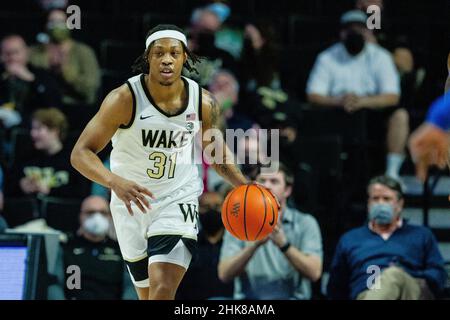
139	269
150	98
200	103
126	126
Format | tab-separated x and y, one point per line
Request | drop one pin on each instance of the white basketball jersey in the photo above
156	150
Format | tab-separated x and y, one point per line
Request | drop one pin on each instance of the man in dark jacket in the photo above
388	258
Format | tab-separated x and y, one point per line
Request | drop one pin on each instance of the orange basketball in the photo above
250	212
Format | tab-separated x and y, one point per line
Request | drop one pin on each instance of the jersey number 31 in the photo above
160	160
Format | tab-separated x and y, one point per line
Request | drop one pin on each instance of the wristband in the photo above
285	247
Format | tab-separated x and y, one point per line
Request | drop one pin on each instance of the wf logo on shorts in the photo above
189	210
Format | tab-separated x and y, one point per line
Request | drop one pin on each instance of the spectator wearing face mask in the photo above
201	280
73	63
202	41
355	74
103	273
225	87
404	258
213	17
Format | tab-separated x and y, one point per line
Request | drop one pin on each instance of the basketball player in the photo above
152	120
429	144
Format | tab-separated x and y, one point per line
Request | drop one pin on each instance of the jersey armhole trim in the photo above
133	114
200	107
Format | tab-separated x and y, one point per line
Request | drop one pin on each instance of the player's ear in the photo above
185	57
146	55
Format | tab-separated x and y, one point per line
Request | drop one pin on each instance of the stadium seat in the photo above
304	29
97	27
319	178
18	211
25	23
296	66
119	55
61	213
112	79
151	20
21	145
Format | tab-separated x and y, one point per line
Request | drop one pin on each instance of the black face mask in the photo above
354	42
211	221
58	32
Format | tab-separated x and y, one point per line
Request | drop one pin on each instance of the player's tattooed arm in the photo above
216	150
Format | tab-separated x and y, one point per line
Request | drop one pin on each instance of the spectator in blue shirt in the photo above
386	259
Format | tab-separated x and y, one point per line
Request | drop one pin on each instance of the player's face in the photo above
166	59
380	194
276	183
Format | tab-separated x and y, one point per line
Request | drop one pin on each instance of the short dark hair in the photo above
287	172
53	119
141	64
389	182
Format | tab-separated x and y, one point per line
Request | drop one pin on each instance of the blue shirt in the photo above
439	112
413	248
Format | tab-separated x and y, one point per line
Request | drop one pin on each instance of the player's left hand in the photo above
278	236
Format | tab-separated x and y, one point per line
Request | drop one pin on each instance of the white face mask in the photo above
96	224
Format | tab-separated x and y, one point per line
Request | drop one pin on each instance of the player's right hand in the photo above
129	191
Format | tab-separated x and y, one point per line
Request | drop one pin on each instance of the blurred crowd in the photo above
359	97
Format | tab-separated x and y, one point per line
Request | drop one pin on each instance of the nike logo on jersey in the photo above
165	138
143	118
